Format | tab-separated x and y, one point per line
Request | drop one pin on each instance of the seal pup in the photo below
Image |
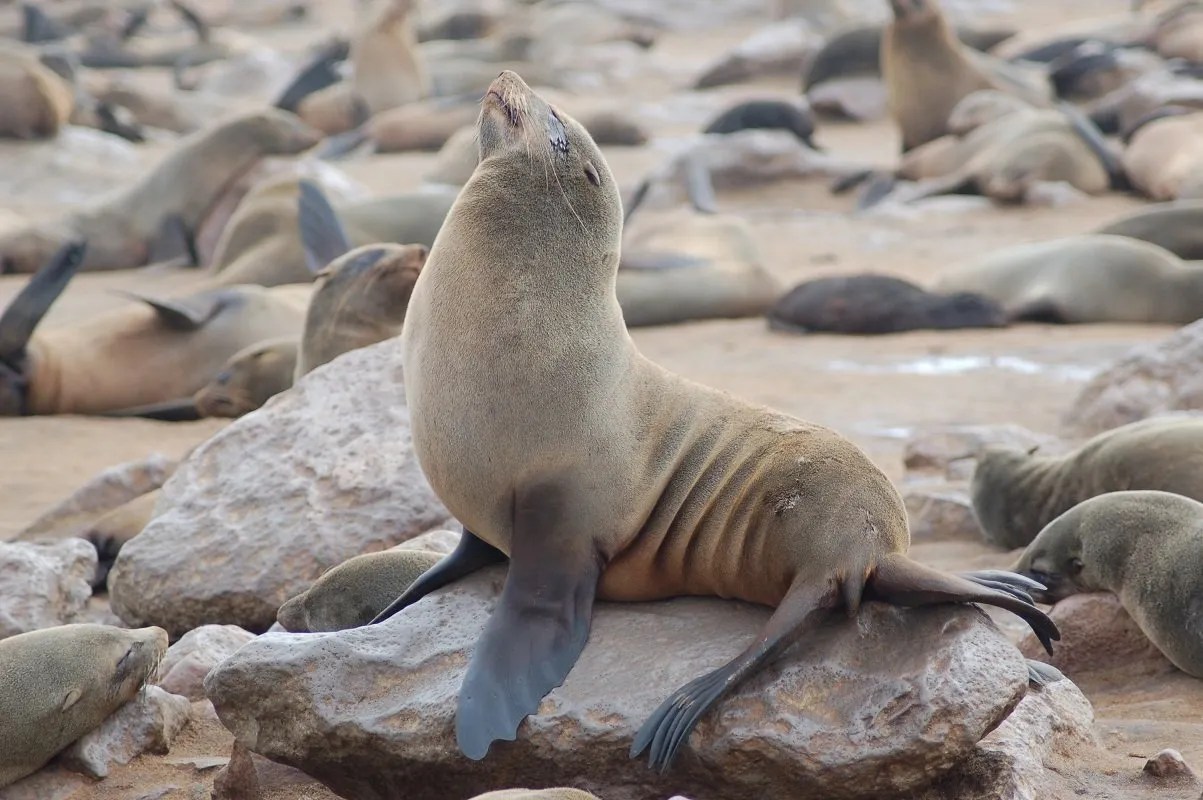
1177	226
927	71
794	117
163	208
351	594
1015	493
1164	156
871	304
1146	547
1082	279
600	474
34	101
249	379
152	351
59	683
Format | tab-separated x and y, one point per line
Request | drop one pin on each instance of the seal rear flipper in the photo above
470	555
903	582
182	314
342	144
321	232
699	186
173	241
320	73
181	410
802	610
23	314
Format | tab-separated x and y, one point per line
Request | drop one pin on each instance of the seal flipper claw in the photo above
470	555
904	582
803	608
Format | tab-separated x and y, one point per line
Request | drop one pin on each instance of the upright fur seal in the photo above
1016	493
927	71
878	304
1091	278
172	199
1177	226
599	473
1144	546
59	683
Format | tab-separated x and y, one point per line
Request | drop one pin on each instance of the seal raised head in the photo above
600	474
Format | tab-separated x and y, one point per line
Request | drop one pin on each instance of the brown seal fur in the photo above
1164	158
599	473
865	304
927	71
34	101
1177	226
1088	278
59	683
353	593
1146	547
250	378
1016	493
154	351
110	533
121	227
386	64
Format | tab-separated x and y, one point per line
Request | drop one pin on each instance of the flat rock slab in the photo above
867	708
321	473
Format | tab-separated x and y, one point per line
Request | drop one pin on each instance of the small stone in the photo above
43	585
1168	765
941	514
147	724
199	650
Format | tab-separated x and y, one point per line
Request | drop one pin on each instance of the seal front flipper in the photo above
539	627
904	582
470	555
321	232
172	241
700	186
804	607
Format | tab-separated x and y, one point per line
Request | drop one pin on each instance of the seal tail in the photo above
901	581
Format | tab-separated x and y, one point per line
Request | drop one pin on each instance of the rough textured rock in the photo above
189	660
941	513
439	540
113	487
1097	635
1149	381
370	711
1168	766
322	472
783	48
42	585
50	783
952	450
147	724
250	776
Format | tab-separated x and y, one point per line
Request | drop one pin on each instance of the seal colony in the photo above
601	475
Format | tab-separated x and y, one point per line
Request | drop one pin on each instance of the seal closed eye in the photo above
600	474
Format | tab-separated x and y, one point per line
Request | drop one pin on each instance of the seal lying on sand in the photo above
1091	278
34	102
249	379
1176	226
878	304
602	475
1016	493
1164	156
1144	546
794	117
155	351
59	683
169	203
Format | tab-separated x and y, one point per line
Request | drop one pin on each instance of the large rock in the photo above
42	585
321	473
1149	381
147	724
941	513
189	660
865	709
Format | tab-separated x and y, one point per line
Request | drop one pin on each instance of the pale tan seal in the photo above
34	101
927	71
59	683
1177	226
599	473
174	197
1146	547
1088	278
249	379
152	351
1164	157
1016	493
353	593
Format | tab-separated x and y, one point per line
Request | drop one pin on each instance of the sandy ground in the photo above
876	390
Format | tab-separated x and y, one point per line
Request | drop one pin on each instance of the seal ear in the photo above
321	233
18	322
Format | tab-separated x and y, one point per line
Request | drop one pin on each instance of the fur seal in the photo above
794	117
1164	157
1176	226
34	101
598	473
249	379
865	304
1146	547
168	204
353	593
1081	279
1016	493
59	683
927	71
153	352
